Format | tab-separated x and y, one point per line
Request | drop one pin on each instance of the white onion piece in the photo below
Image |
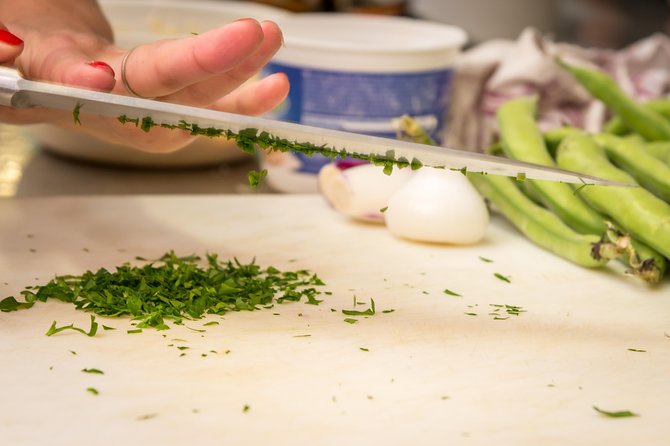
439	206
360	191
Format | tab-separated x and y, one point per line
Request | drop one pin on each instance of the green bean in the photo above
643	261
523	140
553	138
648	123
648	171
635	209
616	126
659	150
537	223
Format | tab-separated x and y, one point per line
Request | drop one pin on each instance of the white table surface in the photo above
432	375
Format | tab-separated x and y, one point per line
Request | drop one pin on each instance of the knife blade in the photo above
15	91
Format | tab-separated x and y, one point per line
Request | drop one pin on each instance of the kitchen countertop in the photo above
439	369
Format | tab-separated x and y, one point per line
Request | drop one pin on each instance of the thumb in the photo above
10	46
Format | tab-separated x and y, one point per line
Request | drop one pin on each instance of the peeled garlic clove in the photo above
439	206
360	191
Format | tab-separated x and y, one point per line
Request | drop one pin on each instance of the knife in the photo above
15	91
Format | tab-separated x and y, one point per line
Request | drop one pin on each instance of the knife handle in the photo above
9	85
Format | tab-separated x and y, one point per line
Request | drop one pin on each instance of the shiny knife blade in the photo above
18	92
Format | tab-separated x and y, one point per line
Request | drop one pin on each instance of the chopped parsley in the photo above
249	138
91	332
93	371
172	288
451	293
76	112
255	177
616	414
369	312
503	278
92	390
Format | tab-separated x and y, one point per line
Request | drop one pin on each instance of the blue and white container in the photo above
357	73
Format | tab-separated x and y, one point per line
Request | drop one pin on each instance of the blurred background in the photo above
599	23
28	168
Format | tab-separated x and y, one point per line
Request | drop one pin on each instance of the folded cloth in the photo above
495	71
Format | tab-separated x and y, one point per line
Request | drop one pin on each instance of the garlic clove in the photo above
439	206
361	191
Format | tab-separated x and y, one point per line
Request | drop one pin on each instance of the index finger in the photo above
165	67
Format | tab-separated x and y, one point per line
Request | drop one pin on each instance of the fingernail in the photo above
9	38
102	65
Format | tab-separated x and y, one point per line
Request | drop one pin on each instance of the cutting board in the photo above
438	369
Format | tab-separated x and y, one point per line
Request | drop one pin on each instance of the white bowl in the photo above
140	21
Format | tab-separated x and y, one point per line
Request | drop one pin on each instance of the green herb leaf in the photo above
93	371
369	312
75	113
91	332
255	177
92	390
486	260
451	293
11	304
616	414
349	320
503	278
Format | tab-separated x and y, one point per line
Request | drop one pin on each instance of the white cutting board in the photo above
432	376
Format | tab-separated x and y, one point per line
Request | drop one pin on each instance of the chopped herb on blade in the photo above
172	288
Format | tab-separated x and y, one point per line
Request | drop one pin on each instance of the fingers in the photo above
256	98
10	46
65	59
200	69
206	92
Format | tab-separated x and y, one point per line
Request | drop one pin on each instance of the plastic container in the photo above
356	73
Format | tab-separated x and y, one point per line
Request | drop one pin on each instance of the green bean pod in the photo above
616	126
648	123
523	140
659	150
635	209
553	138
538	224
648	171
643	261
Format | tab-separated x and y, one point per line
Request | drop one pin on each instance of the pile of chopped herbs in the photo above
174	288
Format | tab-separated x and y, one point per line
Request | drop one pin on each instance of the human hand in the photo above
73	45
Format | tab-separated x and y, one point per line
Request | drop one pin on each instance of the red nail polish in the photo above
102	65
9	38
